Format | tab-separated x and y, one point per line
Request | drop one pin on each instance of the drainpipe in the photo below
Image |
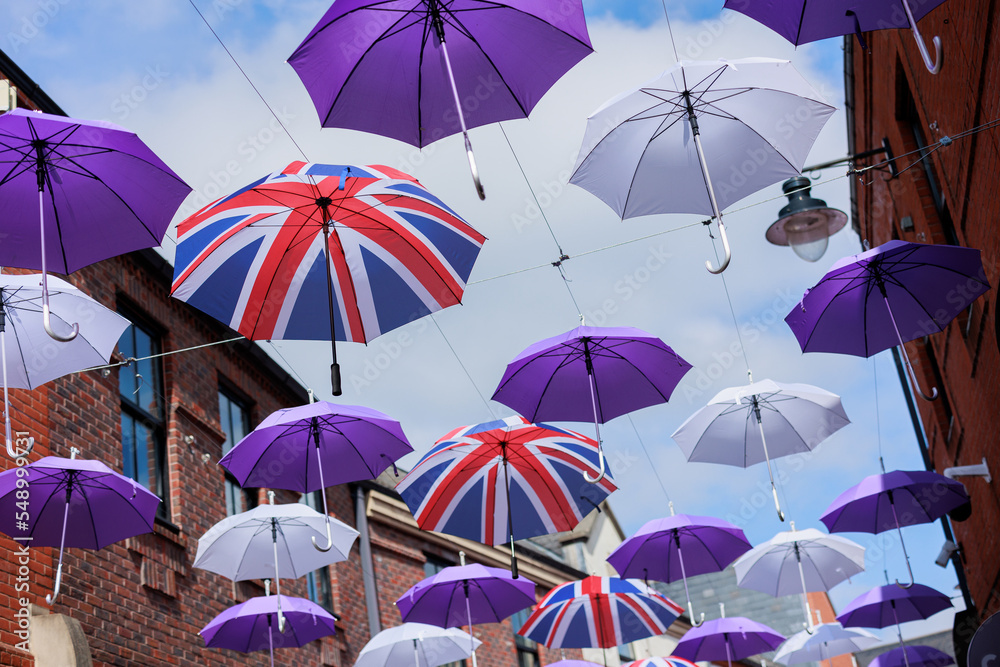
367	566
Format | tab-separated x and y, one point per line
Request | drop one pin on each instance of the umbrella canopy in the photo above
823	642
104	192
789	419
477	479
591	374
466	594
599	612
728	639
386	67
575	663
416	645
351	443
883	297
890	605
29	358
677	547
669	661
656	149
324	252
252	625
893	500
913	656
801	21
73	503
89	189
798	561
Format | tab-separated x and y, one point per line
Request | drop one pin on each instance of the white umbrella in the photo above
416	645
798	561
29	356
745	425
744	124
269	540
826	641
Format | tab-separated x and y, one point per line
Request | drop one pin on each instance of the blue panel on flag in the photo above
527	521
420	193
457	250
219	295
578	630
395	302
307	322
193	245
467	521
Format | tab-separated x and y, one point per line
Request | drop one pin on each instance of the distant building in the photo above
942	130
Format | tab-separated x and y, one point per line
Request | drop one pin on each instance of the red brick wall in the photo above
963	96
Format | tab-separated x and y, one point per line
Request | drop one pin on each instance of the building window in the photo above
318	581
527	649
625	653
140	387
235	419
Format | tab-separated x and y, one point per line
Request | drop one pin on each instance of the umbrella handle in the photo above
725	246
46	322
903	544
479	191
597	422
906	357
933	66
51	598
329	537
602	469
461	113
9	441
45	282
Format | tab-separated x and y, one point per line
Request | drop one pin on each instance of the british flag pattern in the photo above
459	486
599	612
255	259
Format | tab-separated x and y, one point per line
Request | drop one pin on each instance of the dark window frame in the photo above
232	487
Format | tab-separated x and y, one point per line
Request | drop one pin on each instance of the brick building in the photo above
166	420
947	197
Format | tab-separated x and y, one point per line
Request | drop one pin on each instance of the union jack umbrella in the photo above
368	245
476	479
600	612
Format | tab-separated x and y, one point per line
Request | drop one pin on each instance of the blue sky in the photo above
155	68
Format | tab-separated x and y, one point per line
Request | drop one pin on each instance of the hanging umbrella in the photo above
92	188
477	479
727	639
250	626
466	595
913	656
384	66
351	443
795	418
658	550
656	661
591	374
827	640
599	612
801	21
72	503
799	561
318	251
29	359
893	500
416	645
886	296
268	540
639	157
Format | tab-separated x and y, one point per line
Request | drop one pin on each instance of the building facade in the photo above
942	190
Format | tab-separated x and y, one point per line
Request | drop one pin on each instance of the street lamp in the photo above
805	223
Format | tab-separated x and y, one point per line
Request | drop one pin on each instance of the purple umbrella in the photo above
893	500
886	296
92	186
251	625
105	506
669	661
888	605
464	595
656	551
728	639
351	442
384	66
913	656
801	21
591	373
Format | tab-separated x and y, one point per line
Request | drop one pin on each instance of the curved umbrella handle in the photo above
15	454
475	178
725	246
603	469
694	623
906	357
46	322
902	543
933	66
329	538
